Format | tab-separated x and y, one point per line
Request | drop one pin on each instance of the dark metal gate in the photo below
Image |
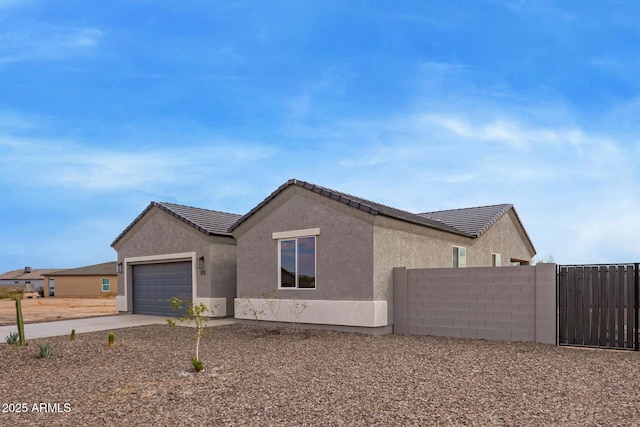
598	305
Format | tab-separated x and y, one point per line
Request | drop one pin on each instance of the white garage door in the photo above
155	284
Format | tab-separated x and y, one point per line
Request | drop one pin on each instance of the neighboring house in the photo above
27	279
171	250
93	281
326	257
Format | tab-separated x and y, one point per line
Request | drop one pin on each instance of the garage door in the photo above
155	284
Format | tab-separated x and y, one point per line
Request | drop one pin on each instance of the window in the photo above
297	262
459	256
496	260
106	285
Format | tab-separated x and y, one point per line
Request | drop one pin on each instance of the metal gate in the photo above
598	305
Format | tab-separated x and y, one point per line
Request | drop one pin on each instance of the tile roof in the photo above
468	222
206	221
474	229
104	269
472	221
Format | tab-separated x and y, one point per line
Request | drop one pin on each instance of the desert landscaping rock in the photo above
256	377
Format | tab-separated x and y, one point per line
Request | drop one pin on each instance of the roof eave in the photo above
342	199
175	215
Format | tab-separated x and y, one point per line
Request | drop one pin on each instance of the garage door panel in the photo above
155	284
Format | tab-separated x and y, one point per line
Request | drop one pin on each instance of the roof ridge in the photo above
369	206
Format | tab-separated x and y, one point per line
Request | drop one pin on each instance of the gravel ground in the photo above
257	377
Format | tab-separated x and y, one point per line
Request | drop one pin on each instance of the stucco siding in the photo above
344	263
411	246
222	270
84	286
158	233
401	244
505	238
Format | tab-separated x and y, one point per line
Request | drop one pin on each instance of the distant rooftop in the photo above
33	274
104	269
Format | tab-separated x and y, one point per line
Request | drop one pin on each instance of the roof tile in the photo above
206	221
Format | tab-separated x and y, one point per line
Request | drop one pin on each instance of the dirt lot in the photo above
46	309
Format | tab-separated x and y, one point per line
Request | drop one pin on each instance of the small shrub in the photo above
198	314
73	335
197	364
112	339
13	338
45	351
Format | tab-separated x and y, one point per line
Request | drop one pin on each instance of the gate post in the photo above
400	300
636	307
545	303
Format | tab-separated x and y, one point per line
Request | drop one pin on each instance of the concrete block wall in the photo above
498	303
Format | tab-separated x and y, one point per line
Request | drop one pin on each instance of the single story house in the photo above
172	250
25	279
309	254
92	281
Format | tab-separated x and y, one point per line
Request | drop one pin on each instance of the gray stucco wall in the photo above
412	246
356	252
344	262
505	237
501	303
222	271
158	233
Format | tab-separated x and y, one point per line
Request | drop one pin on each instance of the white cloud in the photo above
64	164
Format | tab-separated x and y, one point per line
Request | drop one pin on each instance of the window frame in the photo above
108	284
295	235
496	259
457	256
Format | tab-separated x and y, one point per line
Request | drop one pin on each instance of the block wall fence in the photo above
498	303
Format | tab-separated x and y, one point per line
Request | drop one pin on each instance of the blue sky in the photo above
107	106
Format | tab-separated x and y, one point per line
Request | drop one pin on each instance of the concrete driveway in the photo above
93	324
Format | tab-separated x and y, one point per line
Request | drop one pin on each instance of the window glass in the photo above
459	256
307	262
298	263
497	260
288	263
105	285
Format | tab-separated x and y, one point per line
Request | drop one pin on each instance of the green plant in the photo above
45	351
199	315
73	335
13	338
112	339
197	364
17	297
